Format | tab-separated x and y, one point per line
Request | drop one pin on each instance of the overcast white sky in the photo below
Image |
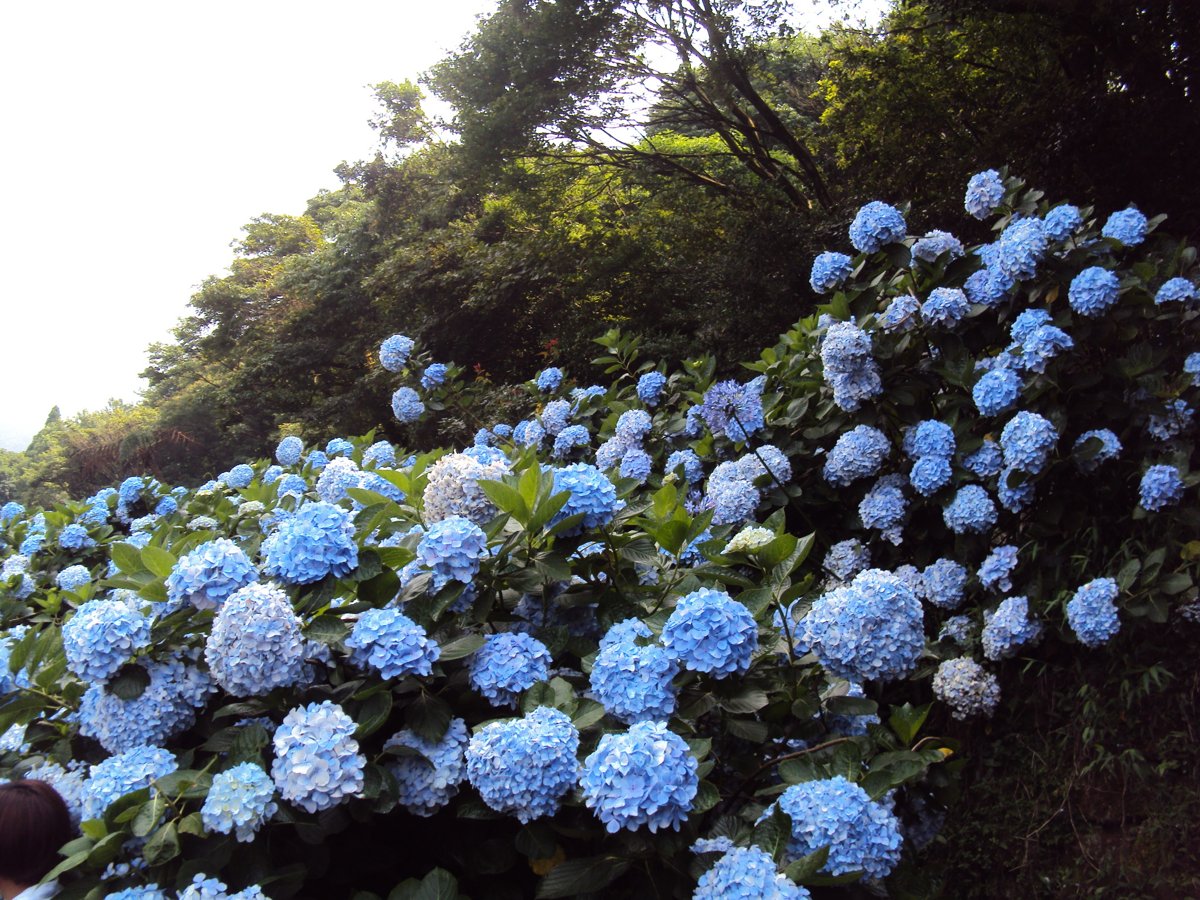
138	137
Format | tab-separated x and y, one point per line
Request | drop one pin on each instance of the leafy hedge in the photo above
667	636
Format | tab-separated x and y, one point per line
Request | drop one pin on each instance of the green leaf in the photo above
460	647
373	714
74	861
907	720
587	713
582	876
707	796
148	816
437	885
851	706
127	558
328	629
192	823
807	866
158	561
507	498
163	845
130	683
381	589
747	701
429	716
370	565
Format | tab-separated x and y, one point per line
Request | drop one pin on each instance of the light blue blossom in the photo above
338	447
645	776
317	764
406	405
452	488
995	573
945	581
525	766
857	454
901	313
687	461
427	784
591	494
1093	291
1027	441
884	507
734	410
240	801
316	460
239	476
1191	366
1088	458
987	286
392	644
379	454
1021	246
123	774
1009	628
1014	489
985	192
730	494
650	387
99	639
875	226
255	645
1092	612
829	271
849	368
1176	290
337	478
289	450
507	664
570	438
1127	226
1062	222
1160	487
555	416
971	511
209	574
934	244
633	682
747	873
1175	419
847	558
996	391
709	631
72	578
434	376
394	352
75	537
317	541
945	307
549	379
966	687
986	461
291	483
930	474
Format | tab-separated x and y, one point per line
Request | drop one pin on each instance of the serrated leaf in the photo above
373	714
163	845
127	558
507	499
148	816
907	720
437	885
807	866
157	561
130	682
581	876
429	717
461	647
327	629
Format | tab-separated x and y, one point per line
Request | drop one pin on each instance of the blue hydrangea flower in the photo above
934	244
391	643
70	782
1020	248
1176	290
568	439
123	774
10	511
316	460
945	307
291	484
1014	490
138	892
730	494
205	888
209	574
945	582
240	801
1027	441
957	629
591	493
1042	344
434	376
829	270
525	766
168	505
633	682
632	426
338	477
636	464
875	226
930	474
709	631
985	192
508	664
72	578
734	410
766	462
317	764
987	286
554	416
427	784
1191	366
1175	419
379	454
255	644
846	559
884	507
338	447
394	352
849	368
986	461
452	549
995	573
747	873
99	639
406	405
996	391
1025	323
239	476
1161	487
1093	291
289	450
861	834
130	490
1127	226
650	387
1009	628
529	433
970	512
645	776
901	313
930	438
317	541
1062	222
75	537
857	454
166	707
966	687
1092	612
688	462
549	379
453	488
868	630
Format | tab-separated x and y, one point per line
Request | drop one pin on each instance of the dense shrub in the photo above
717	616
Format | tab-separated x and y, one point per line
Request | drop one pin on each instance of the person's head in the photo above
34	823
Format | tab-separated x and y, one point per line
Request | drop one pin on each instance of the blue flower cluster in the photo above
709	631
901	313
875	226
1092	612
524	766
239	476
1127	226
317	764
427	784
452	549
730	494
849	368
123	774
549	379
985	191
338	447
936	243
72	578
317	541
1062	222
945	307
861	834
687	461
829	270
570	438
971	511
996	391
287	453
1093	291
255	644
1176	290
406	405
1175	419
209	574
1160	487
631	681
733	409
966	687
645	776
944	582
1009	628
507	664
591	494
453	488
379	454
204	888
884	508
996	570
650	387
847	558
99	639
1027	441
857	454
337	477
391	643
75	537
555	416
868	630
987	286
747	873
434	375
394	352
239	802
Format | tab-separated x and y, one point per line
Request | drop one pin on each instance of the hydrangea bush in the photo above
678	635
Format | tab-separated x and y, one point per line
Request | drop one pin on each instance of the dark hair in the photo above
34	824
